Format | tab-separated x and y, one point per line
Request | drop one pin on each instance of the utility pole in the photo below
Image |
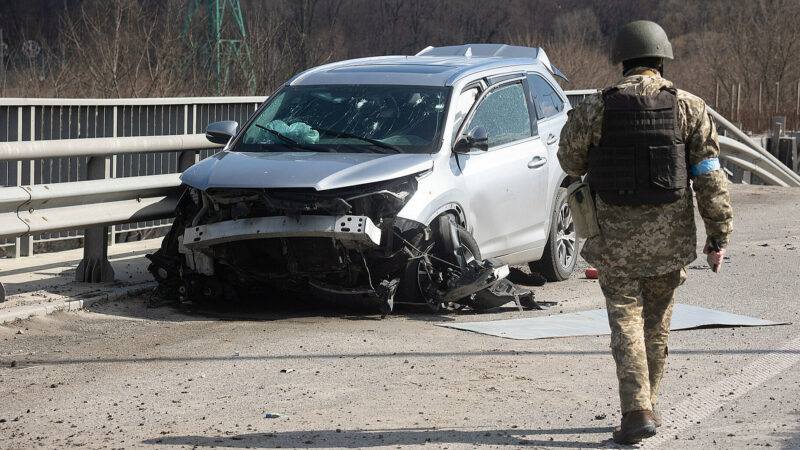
224	51
738	102
797	109
758	121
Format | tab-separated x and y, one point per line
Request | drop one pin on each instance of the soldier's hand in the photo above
713	257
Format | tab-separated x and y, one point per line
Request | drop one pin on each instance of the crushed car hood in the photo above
320	171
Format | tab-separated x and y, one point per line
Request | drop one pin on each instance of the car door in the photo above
550	119
505	185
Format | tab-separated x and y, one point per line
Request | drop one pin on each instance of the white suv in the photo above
396	179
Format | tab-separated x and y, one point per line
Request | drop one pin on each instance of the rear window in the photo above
547	101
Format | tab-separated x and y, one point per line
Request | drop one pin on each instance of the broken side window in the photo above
504	114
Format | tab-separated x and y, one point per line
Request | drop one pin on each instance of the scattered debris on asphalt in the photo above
516	275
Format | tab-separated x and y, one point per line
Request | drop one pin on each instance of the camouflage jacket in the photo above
648	240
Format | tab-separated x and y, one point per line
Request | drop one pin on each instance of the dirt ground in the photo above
124	376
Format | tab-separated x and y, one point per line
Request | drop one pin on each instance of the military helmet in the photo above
641	39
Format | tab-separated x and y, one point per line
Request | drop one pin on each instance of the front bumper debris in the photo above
478	276
350	230
232	245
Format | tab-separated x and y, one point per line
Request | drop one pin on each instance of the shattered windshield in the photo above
349	119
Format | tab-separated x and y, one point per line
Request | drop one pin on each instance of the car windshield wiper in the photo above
292	142
376	142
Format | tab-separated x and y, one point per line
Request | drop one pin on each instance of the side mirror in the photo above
476	139
221	132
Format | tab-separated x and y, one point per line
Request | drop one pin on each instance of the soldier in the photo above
641	142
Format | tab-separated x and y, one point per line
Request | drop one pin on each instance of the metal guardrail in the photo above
68	128
26	210
100	197
751	156
96	203
52	150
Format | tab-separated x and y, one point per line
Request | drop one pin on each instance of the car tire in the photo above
561	251
464	237
409	289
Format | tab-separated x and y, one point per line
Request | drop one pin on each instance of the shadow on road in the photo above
398	437
277	307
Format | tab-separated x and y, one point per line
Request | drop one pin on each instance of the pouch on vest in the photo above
668	166
581	205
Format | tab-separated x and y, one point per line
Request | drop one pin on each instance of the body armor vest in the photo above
641	158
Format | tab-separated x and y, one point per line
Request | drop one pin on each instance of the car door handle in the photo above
551	139
537	162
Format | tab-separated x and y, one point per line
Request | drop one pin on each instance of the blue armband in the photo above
705	166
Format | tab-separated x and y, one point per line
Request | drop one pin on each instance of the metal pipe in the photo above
731	148
767	176
22	150
111	189
786	174
27	210
127	101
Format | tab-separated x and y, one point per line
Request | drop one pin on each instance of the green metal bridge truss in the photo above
228	50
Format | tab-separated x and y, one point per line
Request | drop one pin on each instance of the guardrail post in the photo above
23	246
95	268
190	157
187	159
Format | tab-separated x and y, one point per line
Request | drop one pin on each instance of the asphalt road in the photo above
124	376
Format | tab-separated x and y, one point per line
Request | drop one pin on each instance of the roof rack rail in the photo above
493	51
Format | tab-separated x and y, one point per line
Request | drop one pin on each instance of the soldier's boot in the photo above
657	417
635	426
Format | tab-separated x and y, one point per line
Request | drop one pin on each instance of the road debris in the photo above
287	370
274	415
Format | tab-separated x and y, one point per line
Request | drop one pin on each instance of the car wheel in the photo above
416	279
561	251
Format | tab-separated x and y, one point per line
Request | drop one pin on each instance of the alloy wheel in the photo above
566	238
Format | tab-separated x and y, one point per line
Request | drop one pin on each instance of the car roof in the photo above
433	66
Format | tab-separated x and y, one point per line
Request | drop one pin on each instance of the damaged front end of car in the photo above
346	244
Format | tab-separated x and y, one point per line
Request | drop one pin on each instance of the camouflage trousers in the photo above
639	313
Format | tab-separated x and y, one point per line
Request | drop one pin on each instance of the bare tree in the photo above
125	51
130	48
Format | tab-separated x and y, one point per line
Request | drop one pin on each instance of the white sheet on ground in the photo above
593	323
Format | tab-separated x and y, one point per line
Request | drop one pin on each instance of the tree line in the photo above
739	55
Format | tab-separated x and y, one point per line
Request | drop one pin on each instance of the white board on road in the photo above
595	323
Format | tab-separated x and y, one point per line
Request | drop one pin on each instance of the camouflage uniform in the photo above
641	250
